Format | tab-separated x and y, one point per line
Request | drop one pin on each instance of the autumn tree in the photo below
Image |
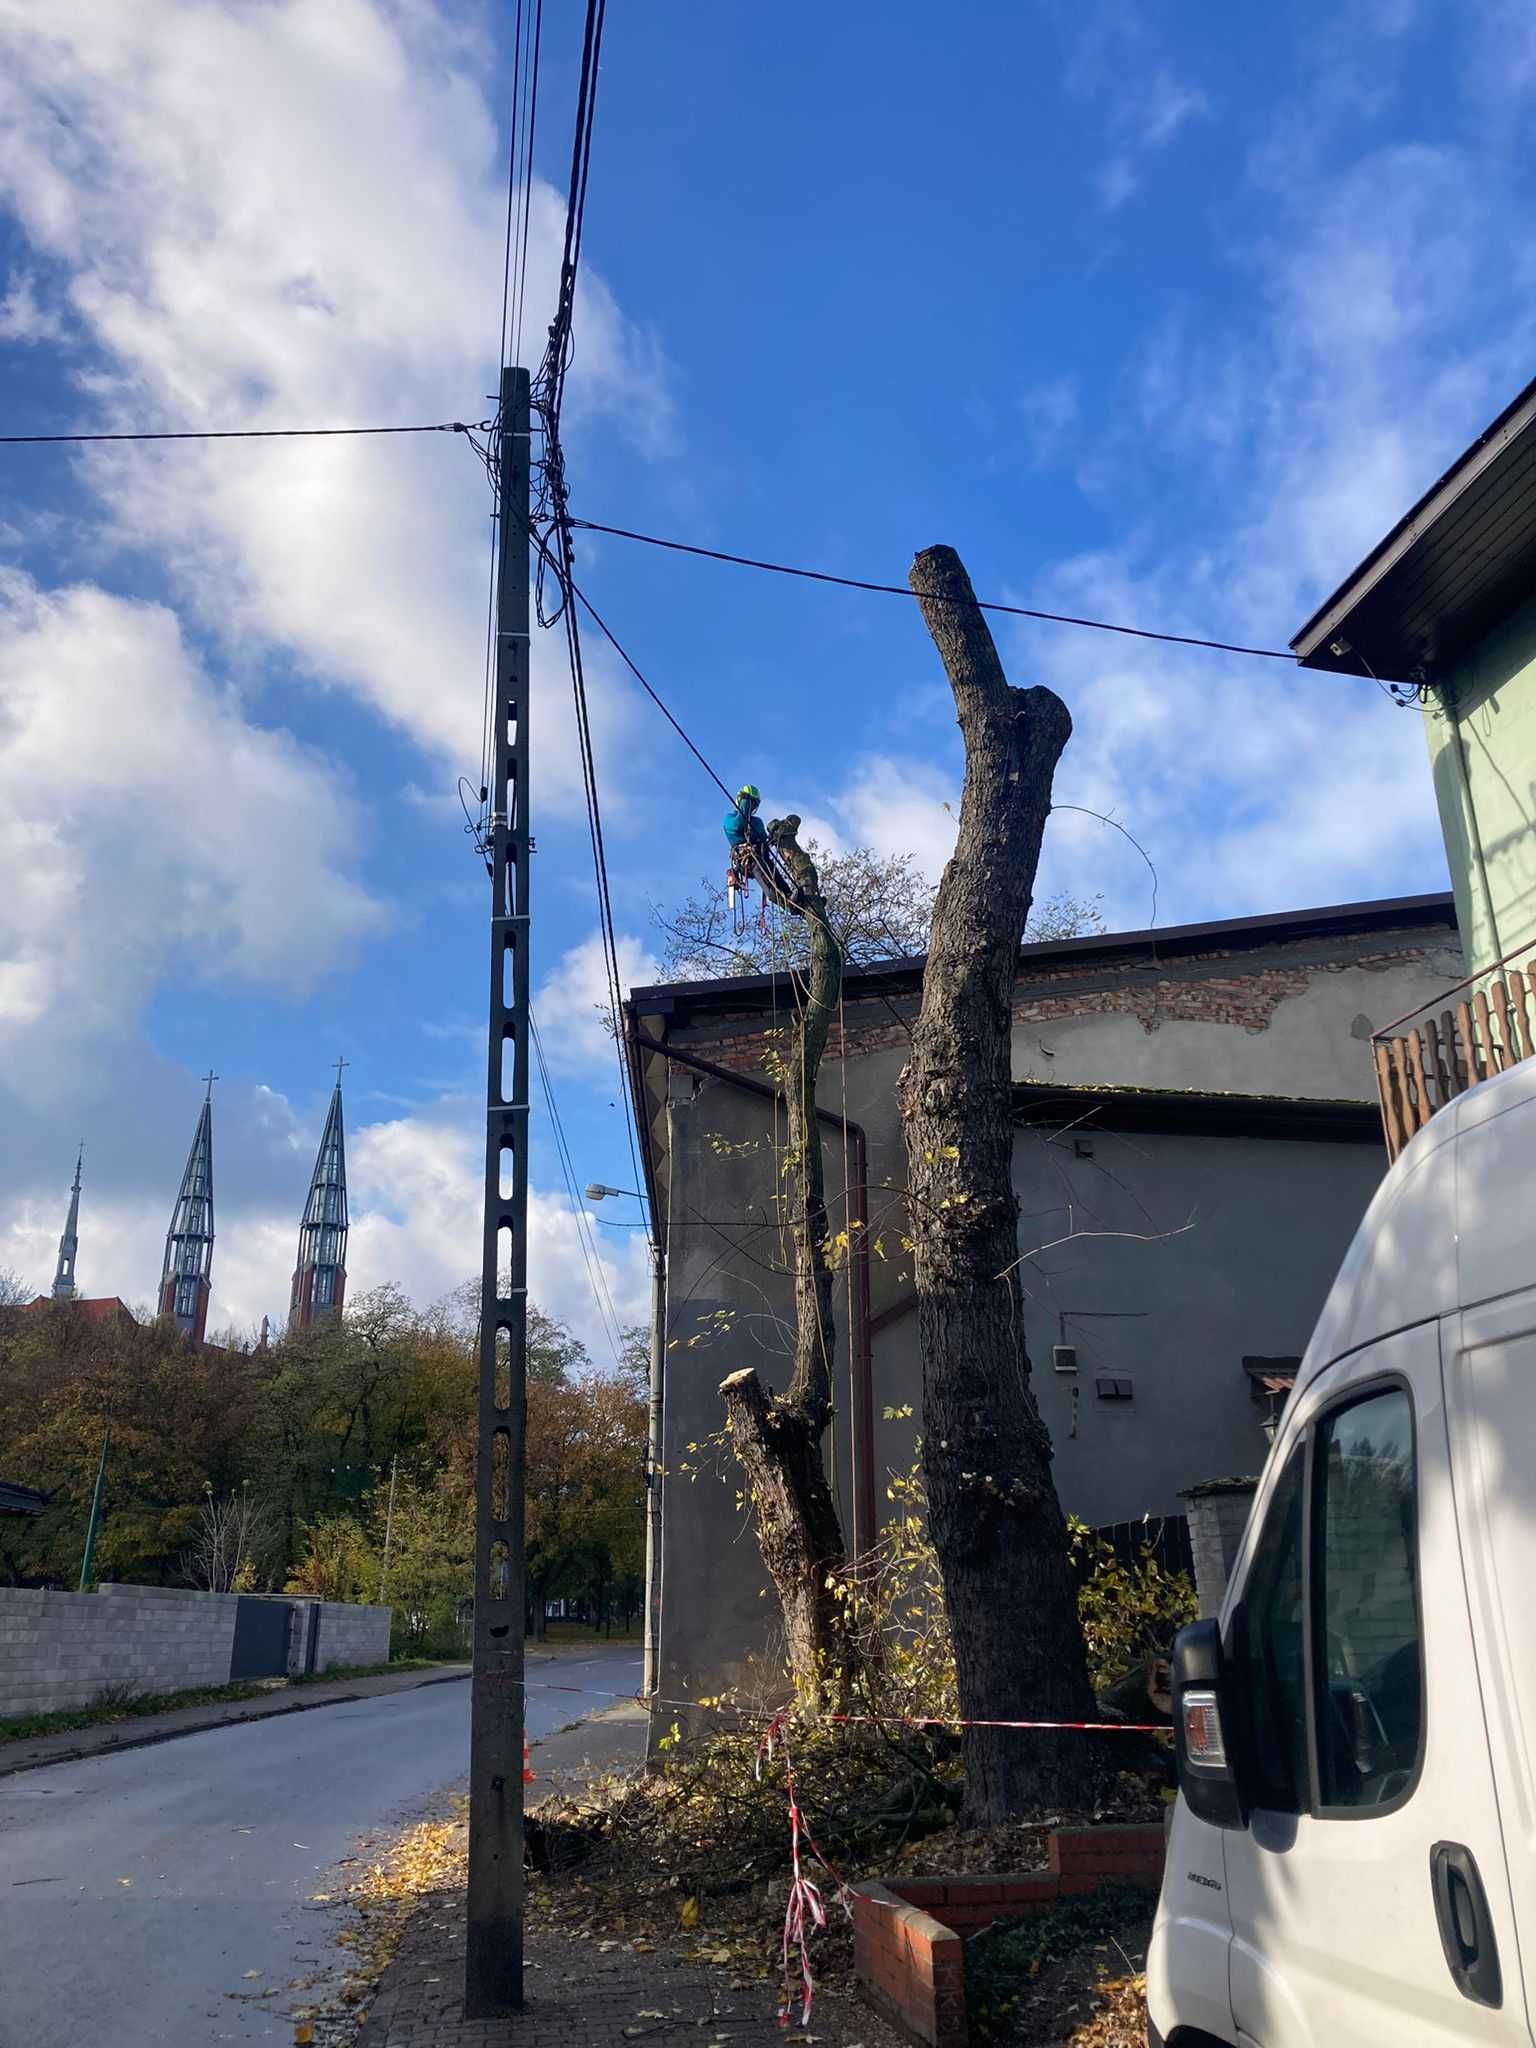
996	1522
180	1414
777	1438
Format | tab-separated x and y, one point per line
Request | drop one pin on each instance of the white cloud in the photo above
1050	412
281	216
22	318
149	830
1112	65
894	805
416	1194
572	1003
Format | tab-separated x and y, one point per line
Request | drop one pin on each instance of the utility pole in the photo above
655	1445
94	1523
493	1960
389	1525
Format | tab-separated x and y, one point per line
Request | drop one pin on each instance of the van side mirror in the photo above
1206	1727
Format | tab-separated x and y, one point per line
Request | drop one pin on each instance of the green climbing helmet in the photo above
750	789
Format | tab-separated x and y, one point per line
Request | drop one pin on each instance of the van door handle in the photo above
1466	1928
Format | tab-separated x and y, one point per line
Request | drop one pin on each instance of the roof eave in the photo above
1314	645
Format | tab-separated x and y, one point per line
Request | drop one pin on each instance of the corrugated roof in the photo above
1448	573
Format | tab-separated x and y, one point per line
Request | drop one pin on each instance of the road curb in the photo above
151	1736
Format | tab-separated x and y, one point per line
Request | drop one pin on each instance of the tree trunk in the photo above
778	1438
996	1523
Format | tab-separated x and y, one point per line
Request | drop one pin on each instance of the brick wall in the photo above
1202	993
909	1938
61	1650
351	1635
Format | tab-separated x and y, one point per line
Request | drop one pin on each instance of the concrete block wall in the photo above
352	1635
1218	1516
62	1650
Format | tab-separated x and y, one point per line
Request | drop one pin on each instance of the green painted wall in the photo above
1482	750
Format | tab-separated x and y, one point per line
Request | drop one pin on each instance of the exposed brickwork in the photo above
909	1938
1246	1000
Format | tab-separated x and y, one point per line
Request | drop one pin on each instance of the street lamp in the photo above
596	1192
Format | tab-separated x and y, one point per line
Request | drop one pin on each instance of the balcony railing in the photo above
1433	1054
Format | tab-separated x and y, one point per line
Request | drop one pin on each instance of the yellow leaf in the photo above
303	2034
688	1913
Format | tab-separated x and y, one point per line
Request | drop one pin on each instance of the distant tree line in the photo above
235	1466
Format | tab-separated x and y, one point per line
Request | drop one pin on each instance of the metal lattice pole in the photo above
493	1962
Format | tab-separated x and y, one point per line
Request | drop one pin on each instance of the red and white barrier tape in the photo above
861	1720
805	1909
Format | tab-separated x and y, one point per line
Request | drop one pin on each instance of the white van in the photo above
1352	1855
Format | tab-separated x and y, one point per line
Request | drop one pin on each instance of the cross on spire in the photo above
210	1077
339	1065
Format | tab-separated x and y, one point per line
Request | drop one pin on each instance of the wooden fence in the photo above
1478	1028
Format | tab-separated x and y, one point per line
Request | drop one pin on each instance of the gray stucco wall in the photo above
1247	1233
60	1650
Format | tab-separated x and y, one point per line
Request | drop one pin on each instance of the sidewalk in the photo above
69	1745
588	1993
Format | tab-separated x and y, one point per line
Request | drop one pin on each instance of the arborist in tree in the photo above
747	837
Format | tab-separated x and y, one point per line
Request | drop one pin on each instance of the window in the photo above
1371	1710
1271	1649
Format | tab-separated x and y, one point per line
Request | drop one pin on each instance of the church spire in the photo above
320	1278
184	1278
64	1288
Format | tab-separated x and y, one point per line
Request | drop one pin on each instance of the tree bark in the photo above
996	1523
778	1438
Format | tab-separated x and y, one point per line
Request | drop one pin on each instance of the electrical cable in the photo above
597	1278
607	631
241	434
1017	611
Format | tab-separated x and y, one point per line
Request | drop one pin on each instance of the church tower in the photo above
64	1288
184	1278
320	1278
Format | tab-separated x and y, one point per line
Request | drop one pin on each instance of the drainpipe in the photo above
860	1366
653	1460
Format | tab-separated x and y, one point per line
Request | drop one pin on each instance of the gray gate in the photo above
261	1638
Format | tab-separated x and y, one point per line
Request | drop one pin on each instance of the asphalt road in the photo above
138	1891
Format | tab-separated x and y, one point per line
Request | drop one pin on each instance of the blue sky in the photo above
1154	316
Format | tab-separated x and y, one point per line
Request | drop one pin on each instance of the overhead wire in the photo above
597	1278
552	509
239	434
1017	611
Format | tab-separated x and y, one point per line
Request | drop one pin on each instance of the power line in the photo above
597	1278
549	389
243	434
607	631
982	604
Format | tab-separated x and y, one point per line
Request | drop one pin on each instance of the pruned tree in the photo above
877	908
777	1438
997	1524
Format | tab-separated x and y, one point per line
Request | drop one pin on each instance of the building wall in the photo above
1246	1233
351	1635
1482	748
62	1650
